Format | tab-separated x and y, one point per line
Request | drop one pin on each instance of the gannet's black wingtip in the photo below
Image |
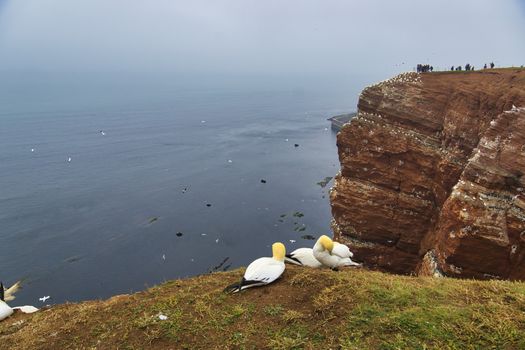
2	291
292	260
243	284
235	287
232	288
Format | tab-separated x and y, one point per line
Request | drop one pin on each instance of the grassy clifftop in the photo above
306	309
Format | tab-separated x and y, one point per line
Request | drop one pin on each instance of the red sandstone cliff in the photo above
432	175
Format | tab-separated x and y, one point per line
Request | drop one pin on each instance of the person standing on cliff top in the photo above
491	65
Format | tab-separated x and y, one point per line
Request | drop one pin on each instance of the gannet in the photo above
5	310
303	257
7	295
333	254
26	309
262	271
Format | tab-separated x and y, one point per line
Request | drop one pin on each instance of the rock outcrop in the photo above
432	175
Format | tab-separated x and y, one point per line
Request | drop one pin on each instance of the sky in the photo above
277	38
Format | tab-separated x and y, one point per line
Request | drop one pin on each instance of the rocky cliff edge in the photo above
432	175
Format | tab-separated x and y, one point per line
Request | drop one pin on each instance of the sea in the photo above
111	185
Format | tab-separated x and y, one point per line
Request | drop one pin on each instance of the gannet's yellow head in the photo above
326	242
278	251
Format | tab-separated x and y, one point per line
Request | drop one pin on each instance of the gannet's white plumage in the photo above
26	309
342	250
5	310
332	254
8	294
262	271
303	257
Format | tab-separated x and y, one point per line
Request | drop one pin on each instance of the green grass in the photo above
306	309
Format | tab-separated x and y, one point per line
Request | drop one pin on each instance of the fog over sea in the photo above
112	185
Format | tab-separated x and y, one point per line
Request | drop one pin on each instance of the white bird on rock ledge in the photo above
303	257
7	295
262	271
333	254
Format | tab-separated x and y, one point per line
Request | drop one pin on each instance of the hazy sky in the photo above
255	37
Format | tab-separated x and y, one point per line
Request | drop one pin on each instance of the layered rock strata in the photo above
431	178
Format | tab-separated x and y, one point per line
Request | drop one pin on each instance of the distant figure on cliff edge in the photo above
491	65
423	68
452	68
485	66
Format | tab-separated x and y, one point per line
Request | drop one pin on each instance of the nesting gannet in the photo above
26	309
7	295
333	254
303	257
262	271
5	310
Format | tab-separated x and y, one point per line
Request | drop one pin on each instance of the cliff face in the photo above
431	177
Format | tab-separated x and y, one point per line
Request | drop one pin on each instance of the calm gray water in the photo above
109	220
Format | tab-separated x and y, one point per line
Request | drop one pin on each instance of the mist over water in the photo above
144	166
173	112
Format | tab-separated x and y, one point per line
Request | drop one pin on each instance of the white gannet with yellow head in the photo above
303	257
262	271
8	295
332	254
